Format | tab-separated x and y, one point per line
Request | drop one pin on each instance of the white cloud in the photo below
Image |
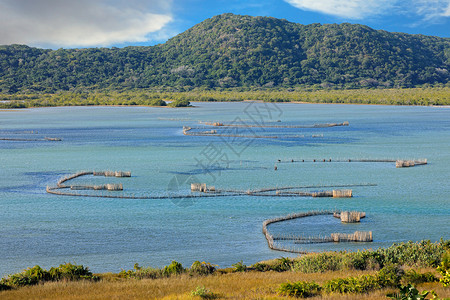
70	23
446	13
353	9
432	9
359	9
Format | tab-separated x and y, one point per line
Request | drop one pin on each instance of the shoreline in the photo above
243	101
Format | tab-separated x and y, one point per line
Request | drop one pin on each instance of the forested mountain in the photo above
237	51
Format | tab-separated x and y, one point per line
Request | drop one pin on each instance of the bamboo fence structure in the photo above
109	187
199	189
203	188
45	139
342	193
399	163
324	125
188	131
349	216
358	236
409	163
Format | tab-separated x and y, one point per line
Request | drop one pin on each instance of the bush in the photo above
174	268
389	276
69	271
157	102
444	269
420	254
30	276
36	274
410	292
283	264
300	289
20	279
280	265
202	268
141	273
364	260
262	267
239	267
321	262
3	286
360	284
203	293
180	103
413	277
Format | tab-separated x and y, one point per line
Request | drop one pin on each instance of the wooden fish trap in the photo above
409	163
202	187
349	216
342	193
109	187
357	236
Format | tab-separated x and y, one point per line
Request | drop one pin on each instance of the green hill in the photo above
237	51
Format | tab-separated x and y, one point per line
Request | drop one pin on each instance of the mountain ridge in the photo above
235	51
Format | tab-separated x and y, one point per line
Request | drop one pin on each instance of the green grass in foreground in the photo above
416	96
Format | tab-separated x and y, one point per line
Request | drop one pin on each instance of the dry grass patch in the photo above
246	285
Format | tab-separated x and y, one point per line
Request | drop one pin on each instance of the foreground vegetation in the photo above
417	96
398	271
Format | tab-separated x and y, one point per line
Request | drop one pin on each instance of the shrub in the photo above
157	102
141	273
444	269
319	263
69	271
174	268
202	268
127	274
239	267
413	277
409	292
4	286
280	265
36	274
364	260
148	272
20	279
389	276
203	293
262	267
180	103
300	289
360	284
29	276
421	254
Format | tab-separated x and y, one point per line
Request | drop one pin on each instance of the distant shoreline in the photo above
145	98
243	101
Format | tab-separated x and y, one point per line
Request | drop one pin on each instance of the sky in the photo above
118	23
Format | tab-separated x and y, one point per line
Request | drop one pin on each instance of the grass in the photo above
239	285
371	274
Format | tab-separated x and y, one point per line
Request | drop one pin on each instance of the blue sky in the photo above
106	23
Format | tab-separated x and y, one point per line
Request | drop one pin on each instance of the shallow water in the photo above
110	234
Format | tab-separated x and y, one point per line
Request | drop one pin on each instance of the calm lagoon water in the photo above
110	234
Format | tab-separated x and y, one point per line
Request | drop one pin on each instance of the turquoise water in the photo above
110	234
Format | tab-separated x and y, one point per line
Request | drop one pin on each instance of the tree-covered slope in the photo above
233	51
